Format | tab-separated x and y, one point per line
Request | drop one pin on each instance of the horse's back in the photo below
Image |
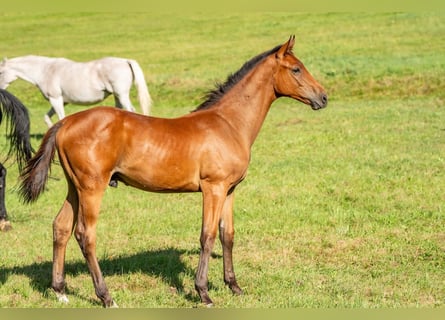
106	63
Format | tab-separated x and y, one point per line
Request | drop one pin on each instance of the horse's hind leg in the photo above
89	205
62	229
5	225
122	101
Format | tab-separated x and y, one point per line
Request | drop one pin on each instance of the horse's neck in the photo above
246	105
29	68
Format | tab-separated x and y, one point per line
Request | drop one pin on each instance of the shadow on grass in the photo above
165	264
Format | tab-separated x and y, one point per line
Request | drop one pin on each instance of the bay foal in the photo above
205	151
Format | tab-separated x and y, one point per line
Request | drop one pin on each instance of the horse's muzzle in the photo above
320	102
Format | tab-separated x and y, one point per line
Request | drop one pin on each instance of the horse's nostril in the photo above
324	99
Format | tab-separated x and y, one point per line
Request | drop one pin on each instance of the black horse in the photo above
17	118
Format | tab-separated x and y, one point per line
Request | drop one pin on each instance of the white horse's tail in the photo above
141	86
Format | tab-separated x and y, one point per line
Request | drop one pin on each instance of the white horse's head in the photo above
7	75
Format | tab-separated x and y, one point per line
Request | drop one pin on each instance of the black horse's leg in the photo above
5	225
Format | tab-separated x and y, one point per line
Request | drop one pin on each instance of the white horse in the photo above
63	81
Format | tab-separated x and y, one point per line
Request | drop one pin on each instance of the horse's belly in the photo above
84	97
170	180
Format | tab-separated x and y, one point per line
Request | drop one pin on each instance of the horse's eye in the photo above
296	70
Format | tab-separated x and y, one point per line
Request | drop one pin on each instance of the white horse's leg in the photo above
57	107
123	101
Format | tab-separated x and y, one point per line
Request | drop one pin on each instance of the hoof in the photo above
206	301
113	305
236	290
113	183
233	286
5	225
62	298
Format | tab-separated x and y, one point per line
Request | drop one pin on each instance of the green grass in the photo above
342	208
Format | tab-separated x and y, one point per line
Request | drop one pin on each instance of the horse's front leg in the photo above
213	200
5	225
226	235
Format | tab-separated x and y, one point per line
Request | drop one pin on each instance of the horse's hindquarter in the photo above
88	146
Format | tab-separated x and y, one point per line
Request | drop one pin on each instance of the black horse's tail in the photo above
17	126
35	174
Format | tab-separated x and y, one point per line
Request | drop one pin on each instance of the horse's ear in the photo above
286	48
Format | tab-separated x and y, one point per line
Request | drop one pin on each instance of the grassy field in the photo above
342	208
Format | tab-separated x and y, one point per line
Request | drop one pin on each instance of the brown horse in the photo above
205	151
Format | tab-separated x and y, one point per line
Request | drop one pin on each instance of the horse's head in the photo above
293	80
6	76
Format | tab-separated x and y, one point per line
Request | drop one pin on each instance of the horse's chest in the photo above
225	164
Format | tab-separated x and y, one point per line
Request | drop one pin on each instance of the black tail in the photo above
18	126
35	174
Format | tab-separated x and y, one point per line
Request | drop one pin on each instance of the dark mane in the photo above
221	89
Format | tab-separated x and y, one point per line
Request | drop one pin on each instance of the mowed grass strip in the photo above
341	207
